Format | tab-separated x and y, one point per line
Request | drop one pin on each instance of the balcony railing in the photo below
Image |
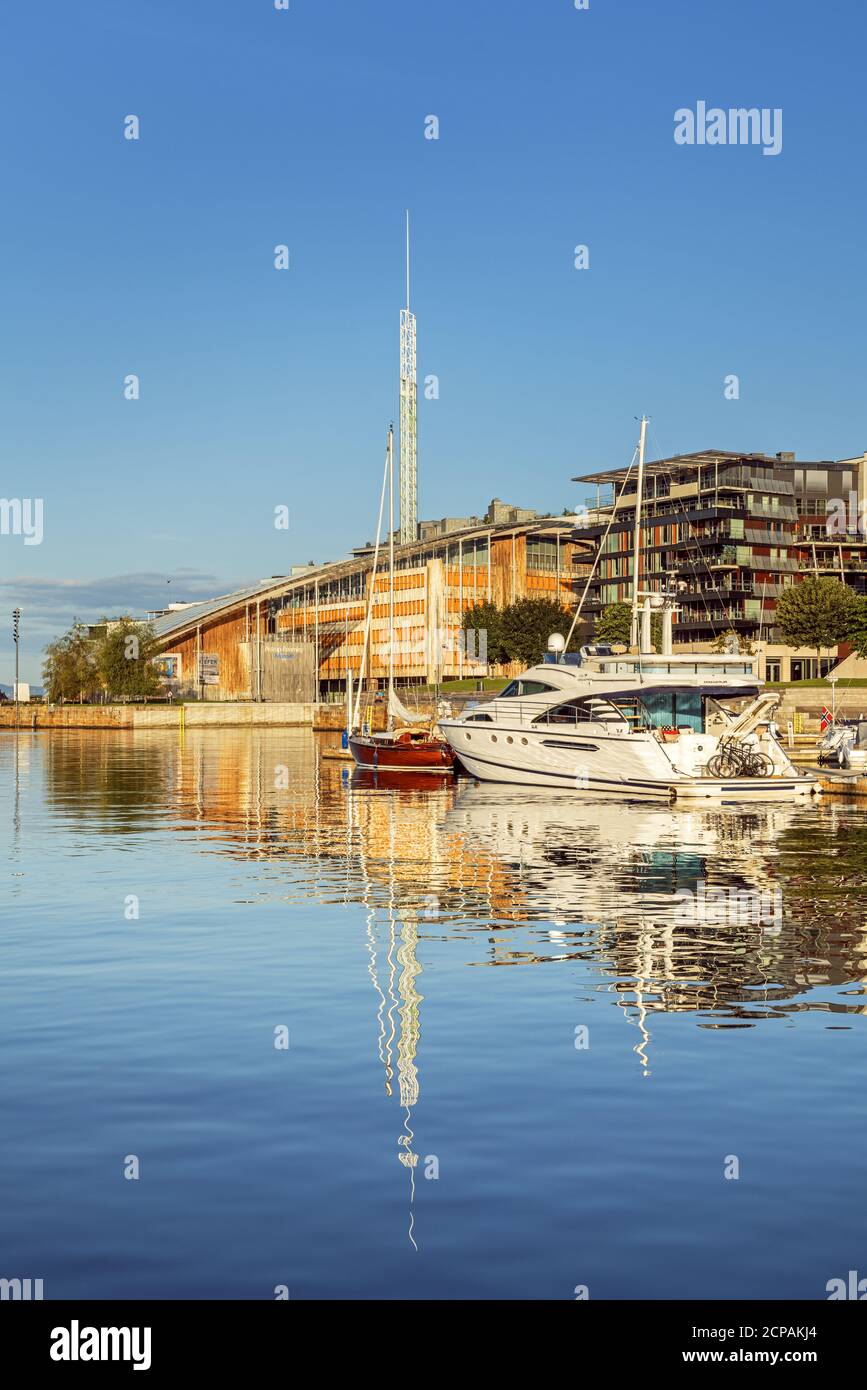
768	538
742	478
774	513
764	562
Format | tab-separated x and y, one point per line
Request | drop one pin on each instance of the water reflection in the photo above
537	878
541	879
436	877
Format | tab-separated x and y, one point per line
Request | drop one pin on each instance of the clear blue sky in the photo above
306	127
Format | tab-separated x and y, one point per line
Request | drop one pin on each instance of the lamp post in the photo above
16	621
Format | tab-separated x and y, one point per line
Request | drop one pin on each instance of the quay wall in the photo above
194	716
802	705
808	702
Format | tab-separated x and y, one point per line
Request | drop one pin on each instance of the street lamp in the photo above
16	622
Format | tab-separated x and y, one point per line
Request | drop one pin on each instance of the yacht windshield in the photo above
522	687
666	707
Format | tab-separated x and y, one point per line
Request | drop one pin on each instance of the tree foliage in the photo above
857	634
721	642
69	670
124	659
615	625
528	624
520	631
485	618
816	613
115	658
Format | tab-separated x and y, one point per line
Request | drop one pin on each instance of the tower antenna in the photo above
408	421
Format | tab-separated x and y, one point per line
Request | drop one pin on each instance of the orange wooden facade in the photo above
327	612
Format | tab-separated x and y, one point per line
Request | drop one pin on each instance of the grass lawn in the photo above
425	692
487	683
817	684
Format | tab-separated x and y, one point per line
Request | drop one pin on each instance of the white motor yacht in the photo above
689	727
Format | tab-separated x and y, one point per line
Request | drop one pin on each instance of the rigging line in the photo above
371	970
691	562
372	595
715	587
411	1165
597	557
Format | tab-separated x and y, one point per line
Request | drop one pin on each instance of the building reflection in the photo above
529	877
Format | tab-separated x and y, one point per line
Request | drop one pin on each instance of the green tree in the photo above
615	625
857	634
527	625
485	618
69	670
816	613
124	658
721	640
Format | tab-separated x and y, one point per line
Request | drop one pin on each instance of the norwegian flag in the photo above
826	717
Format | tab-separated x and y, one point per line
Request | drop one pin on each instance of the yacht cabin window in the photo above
522	687
665	707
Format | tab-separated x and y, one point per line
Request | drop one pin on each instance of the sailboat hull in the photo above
388	753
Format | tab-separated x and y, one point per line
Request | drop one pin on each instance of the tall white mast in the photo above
370	597
636	540
390	571
408	420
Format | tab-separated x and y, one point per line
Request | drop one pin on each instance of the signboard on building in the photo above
209	668
169	667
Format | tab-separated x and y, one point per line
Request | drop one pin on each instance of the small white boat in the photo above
844	744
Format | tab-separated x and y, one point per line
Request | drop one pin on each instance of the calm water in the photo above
435	1127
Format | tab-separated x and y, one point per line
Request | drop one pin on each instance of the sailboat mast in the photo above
370	597
636	540
390	570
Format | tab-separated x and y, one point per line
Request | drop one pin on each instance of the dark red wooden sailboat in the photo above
402	750
408	749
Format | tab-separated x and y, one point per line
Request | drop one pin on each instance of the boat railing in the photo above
522	713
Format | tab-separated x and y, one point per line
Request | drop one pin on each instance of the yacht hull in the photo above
598	765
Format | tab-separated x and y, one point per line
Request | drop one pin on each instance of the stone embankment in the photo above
194	716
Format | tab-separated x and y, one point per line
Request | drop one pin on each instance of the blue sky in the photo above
306	127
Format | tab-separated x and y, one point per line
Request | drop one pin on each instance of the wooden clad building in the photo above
294	637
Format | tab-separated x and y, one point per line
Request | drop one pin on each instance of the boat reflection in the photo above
735	917
633	890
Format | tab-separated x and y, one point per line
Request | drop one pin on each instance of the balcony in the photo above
765	562
769	538
717	592
716	618
774	513
750	482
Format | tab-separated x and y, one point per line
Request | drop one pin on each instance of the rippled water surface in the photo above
528	1035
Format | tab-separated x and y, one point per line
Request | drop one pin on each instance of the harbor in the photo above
440	930
433	679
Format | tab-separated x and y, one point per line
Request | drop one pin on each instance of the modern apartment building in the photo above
831	500
725	533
